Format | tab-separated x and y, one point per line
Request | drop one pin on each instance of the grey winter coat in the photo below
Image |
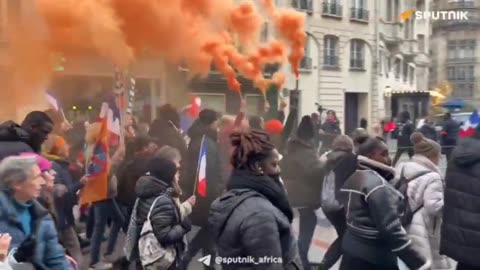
245	223
426	194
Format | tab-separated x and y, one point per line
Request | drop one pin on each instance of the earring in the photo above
259	169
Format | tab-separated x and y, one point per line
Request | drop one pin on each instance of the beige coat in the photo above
426	193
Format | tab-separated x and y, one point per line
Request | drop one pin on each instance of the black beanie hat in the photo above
207	116
305	130
162	169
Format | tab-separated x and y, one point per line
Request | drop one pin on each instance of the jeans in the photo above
334	252
202	240
102	211
354	263
116	226
308	222
400	151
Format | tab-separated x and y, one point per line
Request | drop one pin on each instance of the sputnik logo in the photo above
435	15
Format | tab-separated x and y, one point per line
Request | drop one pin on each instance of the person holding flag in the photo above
203	179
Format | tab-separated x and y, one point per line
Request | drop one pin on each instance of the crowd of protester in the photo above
259	176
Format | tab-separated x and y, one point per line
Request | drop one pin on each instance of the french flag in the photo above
111	112
468	129
190	112
202	170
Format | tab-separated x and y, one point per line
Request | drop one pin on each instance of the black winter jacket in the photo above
13	140
374	231
165	217
245	223
303	174
128	174
403	132
450	132
214	172
64	205
461	213
429	132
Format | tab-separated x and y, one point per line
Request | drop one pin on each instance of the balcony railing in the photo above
357	64
303	5
332	9
359	14
462	60
306	63
461	4
330	61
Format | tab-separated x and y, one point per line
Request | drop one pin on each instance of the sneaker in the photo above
101	266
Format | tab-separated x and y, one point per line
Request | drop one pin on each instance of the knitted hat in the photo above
274	127
162	169
42	162
207	116
424	146
305	130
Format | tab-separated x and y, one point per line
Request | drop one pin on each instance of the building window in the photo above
332	8
306	62
389	10
411	75
421	43
357	54
464	90
461	49
215	102
264	32
398	68
380	62
330	51
304	5
451	73
470	73
359	10
405	71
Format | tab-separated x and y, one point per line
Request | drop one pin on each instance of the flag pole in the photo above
198	166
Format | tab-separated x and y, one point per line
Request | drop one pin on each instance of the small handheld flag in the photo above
201	181
468	128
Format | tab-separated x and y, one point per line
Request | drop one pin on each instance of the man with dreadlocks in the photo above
253	217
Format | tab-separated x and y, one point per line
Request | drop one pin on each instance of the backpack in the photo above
328	196
406	211
153	254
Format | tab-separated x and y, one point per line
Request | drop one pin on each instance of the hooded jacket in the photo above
461	214
245	223
425	193
165	216
374	231
14	140
214	171
49	254
303	174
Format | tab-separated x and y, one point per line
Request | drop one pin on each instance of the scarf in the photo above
267	186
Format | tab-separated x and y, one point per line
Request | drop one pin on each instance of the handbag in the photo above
153	255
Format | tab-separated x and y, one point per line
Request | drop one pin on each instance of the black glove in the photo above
412	258
186	224
26	250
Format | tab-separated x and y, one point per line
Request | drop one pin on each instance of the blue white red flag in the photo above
112	113
202	170
468	129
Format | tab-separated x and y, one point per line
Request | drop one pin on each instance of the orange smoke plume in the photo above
198	33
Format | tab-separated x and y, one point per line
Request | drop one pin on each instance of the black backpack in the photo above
406	212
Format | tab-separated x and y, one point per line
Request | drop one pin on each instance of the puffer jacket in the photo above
461	214
425	193
49	254
374	231
165	216
245	223
13	140
303	174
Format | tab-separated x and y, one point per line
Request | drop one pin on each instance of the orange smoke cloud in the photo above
195	32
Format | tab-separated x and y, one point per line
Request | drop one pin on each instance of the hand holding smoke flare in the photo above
195	32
